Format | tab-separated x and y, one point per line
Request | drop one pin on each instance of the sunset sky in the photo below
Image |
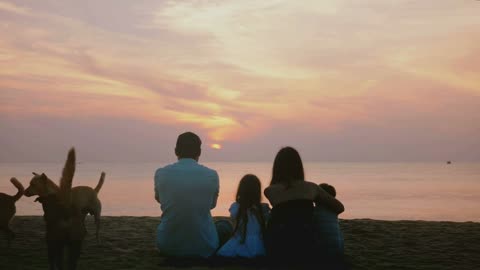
340	80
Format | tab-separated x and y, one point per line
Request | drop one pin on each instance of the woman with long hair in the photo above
290	232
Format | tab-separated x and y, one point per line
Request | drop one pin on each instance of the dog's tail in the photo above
20	188
100	183
67	176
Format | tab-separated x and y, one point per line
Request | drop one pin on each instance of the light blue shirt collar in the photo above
187	160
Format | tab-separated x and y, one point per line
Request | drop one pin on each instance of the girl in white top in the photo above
249	216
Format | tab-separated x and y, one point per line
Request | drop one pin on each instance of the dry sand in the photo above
128	243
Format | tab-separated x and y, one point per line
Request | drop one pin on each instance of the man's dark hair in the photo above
188	145
329	189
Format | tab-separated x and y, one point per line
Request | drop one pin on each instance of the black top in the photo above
293	212
290	232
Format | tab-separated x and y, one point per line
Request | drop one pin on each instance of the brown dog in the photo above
8	210
83	198
65	209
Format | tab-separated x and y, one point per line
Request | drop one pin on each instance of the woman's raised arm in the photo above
329	201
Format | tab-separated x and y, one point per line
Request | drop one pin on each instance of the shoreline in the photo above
340	219
129	243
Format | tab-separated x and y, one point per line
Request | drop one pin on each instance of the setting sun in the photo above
216	146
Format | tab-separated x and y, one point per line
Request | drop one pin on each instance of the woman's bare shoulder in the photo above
308	185
311	189
295	186
272	189
275	187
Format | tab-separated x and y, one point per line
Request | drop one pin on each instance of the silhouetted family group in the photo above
300	228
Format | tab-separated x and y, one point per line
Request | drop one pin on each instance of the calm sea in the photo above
389	191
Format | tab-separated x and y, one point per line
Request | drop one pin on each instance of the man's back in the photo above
187	192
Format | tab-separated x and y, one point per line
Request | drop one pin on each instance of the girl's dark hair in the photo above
287	167
249	197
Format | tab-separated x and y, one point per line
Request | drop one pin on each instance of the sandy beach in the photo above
128	243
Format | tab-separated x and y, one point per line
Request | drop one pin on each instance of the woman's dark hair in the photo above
249	197
287	167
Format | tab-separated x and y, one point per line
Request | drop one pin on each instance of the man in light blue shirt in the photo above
187	191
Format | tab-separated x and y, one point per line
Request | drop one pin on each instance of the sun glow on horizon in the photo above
216	146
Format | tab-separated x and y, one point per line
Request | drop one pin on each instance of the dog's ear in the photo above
34	173
44	181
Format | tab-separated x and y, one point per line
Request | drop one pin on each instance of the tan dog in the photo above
8	210
64	211
82	198
65	226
